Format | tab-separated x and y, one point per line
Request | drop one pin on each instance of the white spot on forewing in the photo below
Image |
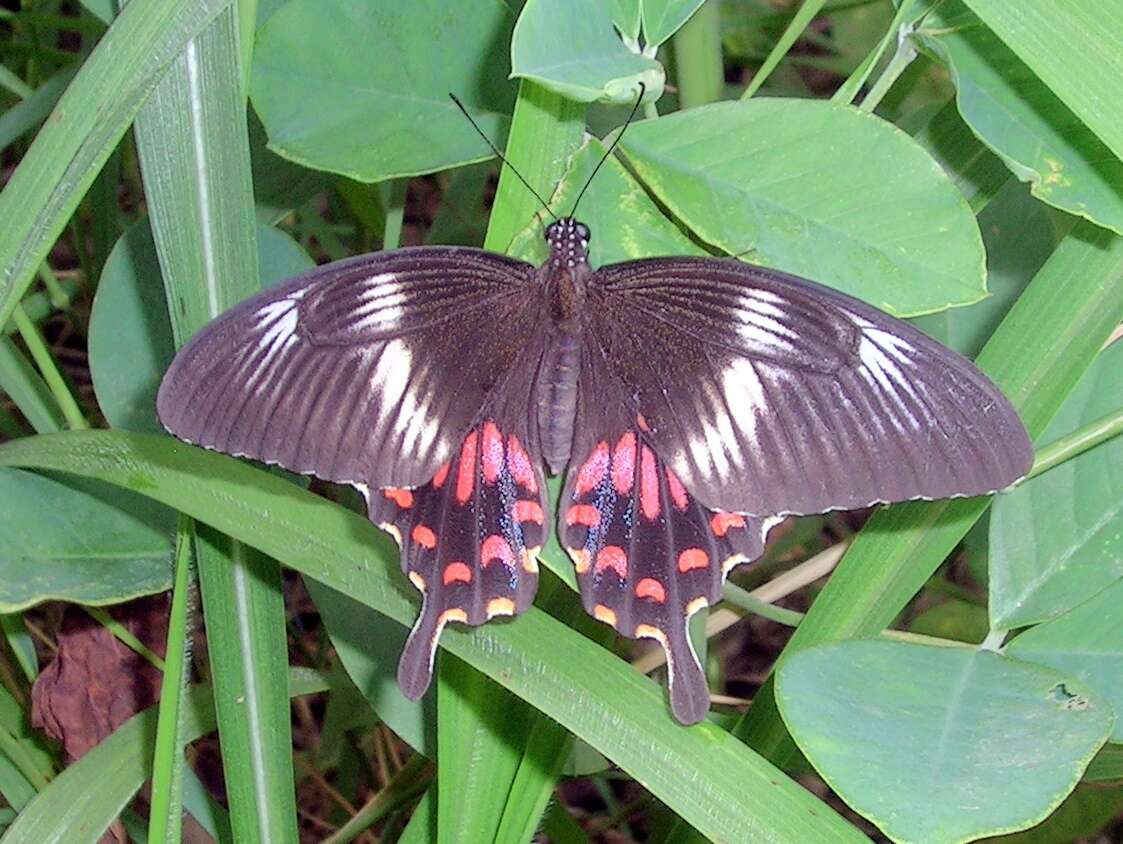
364	491
717	450
391	376
888	374
745	395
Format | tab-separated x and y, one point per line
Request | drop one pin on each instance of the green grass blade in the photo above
698	67
83	800
1073	47
165	817
27	389
586	689
194	150
799	22
83	130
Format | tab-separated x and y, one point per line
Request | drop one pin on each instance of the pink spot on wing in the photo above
722	522
593	470
651	588
495	547
678	491
624	463
466	471
402	497
583	514
693	558
521	468
456	572
613	557
492	457
424	536
648	485
441	476
529	511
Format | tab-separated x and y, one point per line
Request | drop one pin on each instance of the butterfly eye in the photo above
583	232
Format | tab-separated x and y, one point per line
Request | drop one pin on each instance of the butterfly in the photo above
691	402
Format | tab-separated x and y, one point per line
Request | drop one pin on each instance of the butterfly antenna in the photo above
608	152
502	158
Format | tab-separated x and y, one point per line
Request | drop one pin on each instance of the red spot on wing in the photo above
529	511
402	497
466	471
424	536
613	557
722	522
643	426
693	558
495	547
593	470
583	514
456	572
648	485
678	491
492	452
519	461
441	476
651	588
624	463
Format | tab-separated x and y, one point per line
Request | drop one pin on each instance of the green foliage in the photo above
890	191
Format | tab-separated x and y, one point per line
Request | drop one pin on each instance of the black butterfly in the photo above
695	401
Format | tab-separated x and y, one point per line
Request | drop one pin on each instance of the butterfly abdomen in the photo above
556	395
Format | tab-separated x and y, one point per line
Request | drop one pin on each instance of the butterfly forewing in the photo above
368	371
769	394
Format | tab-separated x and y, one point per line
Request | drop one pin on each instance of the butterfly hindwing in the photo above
469	540
648	554
770	394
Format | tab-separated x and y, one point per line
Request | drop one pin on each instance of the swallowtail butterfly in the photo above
692	403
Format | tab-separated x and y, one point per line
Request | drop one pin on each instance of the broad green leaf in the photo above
585	688
663	18
1023	121
821	190
570	47
79	542
1055	540
83	800
85	126
1083	814
626	17
130	336
992	744
1019	236
279	185
957	620
623	221
361	88
368	645
1108	764
1074	48
1085	642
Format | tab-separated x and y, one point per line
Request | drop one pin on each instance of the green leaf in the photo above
368	645
993	744
130	336
1074	48
624	222
586	689
977	172
84	128
1083	814
821	190
27	389
354	87
1019	236
626	17
1108	764
79	542
83	800
1085	642
569	47
663	18
279	185
1023	121
30	112
1055	540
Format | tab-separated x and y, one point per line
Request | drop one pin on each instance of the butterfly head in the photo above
569	242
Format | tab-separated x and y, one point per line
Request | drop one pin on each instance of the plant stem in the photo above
906	52
857	79
394	200
124	636
697	46
50	372
1076	443
799	22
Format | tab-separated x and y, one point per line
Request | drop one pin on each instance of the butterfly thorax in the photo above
563	279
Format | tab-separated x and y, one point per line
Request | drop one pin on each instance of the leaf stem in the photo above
47	368
906	52
857	79
698	69
1076	443
799	22
394	200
